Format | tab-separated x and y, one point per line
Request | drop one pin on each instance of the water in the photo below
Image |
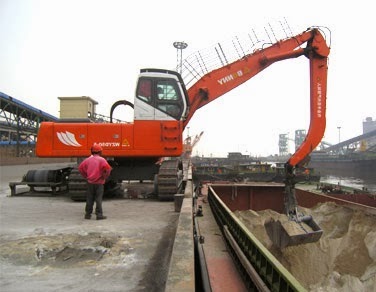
350	181
348	178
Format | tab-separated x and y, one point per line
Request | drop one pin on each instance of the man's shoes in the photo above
87	216
101	217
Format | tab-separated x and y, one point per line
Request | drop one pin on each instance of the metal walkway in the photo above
19	120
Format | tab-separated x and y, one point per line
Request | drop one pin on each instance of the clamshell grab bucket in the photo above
293	232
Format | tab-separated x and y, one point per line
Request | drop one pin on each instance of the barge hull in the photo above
222	200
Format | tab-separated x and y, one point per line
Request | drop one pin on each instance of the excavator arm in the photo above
222	80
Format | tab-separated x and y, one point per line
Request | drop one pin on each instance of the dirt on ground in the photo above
120	253
344	259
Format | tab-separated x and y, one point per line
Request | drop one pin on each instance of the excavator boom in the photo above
224	79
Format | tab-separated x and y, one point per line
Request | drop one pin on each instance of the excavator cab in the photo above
160	96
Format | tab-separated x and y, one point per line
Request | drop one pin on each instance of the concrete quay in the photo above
47	245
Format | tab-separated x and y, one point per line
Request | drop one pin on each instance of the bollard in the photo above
178	199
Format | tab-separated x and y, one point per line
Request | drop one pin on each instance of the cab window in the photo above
144	90
168	98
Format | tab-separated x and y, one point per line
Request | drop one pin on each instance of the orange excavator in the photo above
164	105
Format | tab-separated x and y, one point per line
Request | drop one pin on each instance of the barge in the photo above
265	268
255	171
344	165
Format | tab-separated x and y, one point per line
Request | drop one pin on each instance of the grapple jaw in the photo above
296	229
291	232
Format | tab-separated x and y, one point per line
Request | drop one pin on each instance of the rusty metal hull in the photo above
226	198
261	196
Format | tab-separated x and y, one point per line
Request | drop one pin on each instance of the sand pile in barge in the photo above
343	260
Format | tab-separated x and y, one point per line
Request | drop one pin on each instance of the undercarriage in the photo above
167	178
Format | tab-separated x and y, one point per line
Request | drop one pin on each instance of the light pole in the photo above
180	46
339	134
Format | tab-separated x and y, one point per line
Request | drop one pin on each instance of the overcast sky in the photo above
52	48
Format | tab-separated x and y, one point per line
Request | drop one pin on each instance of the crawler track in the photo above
170	179
77	186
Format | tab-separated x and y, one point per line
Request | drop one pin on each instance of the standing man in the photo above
95	169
